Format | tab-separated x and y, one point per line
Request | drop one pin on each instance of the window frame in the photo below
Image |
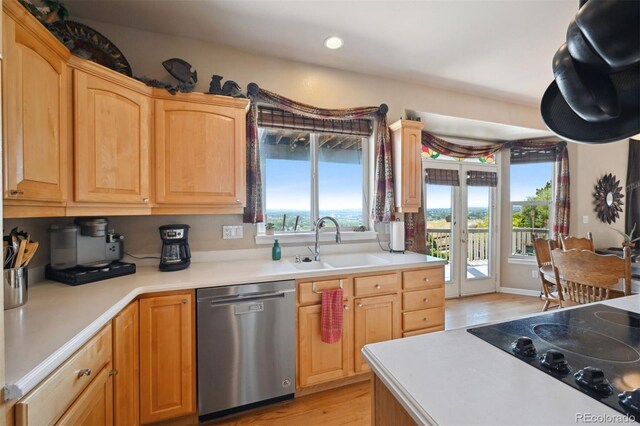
367	179
526	259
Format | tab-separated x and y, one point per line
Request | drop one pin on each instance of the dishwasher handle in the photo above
239	298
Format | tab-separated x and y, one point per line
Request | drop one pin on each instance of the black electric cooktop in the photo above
594	349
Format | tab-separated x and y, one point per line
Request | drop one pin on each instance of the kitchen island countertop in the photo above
454	378
58	319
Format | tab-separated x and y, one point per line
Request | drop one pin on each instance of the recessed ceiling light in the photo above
333	43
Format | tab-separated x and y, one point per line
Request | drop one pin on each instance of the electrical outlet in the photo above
232	232
585	219
535	273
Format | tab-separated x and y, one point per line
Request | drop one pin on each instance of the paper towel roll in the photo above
397	236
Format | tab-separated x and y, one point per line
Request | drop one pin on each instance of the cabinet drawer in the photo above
423	318
424	278
310	291
51	398
423	331
423	299
376	284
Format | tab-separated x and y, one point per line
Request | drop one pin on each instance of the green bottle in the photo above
276	253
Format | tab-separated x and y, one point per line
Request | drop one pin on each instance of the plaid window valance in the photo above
442	177
280	119
532	154
478	178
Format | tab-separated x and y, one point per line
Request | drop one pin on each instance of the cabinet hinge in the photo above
113	372
10	392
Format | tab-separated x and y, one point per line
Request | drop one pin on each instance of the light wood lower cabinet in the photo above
375	307
95	405
376	319
321	362
126	365
167	357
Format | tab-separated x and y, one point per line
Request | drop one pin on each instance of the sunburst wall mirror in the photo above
608	198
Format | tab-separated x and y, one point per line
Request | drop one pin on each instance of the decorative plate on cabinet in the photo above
88	43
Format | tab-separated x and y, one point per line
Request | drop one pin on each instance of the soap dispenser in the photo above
276	253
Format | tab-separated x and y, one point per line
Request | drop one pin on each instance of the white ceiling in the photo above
498	47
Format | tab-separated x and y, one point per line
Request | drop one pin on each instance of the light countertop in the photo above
454	378
58	319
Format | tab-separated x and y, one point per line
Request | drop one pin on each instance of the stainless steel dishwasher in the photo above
246	346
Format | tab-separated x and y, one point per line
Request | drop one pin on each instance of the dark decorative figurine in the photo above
608	198
230	88
181	70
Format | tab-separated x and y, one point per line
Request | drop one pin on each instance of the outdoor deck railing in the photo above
439	242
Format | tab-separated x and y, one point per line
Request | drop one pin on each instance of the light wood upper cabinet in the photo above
167	357
200	152
35	108
111	138
406	141
126	365
376	319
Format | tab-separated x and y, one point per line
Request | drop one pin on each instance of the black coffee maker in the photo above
176	254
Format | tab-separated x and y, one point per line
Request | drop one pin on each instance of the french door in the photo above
461	224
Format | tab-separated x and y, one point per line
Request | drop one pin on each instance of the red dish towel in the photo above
331	318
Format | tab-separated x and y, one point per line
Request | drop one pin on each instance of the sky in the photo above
525	179
288	185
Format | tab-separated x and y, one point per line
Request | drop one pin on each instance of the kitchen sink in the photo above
305	266
355	259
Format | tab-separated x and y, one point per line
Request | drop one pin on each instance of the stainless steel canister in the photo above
15	287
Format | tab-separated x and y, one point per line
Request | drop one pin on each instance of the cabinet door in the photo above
318	361
411	172
126	364
112	124
35	105
167	357
376	319
94	406
200	154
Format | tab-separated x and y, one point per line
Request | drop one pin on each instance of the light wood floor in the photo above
351	405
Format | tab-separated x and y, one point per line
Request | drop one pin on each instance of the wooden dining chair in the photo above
542	249
575	243
589	277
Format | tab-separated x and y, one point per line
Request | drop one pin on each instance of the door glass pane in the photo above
478	236
340	179
439	210
286	169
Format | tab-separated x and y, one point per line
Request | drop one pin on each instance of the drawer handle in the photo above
426	280
425	319
184	301
15	192
84	372
113	372
378	286
426	300
238	202
346	307
145	200
359	305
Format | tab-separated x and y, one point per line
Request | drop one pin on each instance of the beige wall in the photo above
594	161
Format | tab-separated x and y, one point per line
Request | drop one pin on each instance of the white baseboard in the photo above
520	291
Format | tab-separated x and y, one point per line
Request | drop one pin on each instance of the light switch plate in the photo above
232	232
585	219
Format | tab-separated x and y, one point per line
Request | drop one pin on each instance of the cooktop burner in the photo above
594	349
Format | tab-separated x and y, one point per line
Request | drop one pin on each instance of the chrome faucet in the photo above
318	224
